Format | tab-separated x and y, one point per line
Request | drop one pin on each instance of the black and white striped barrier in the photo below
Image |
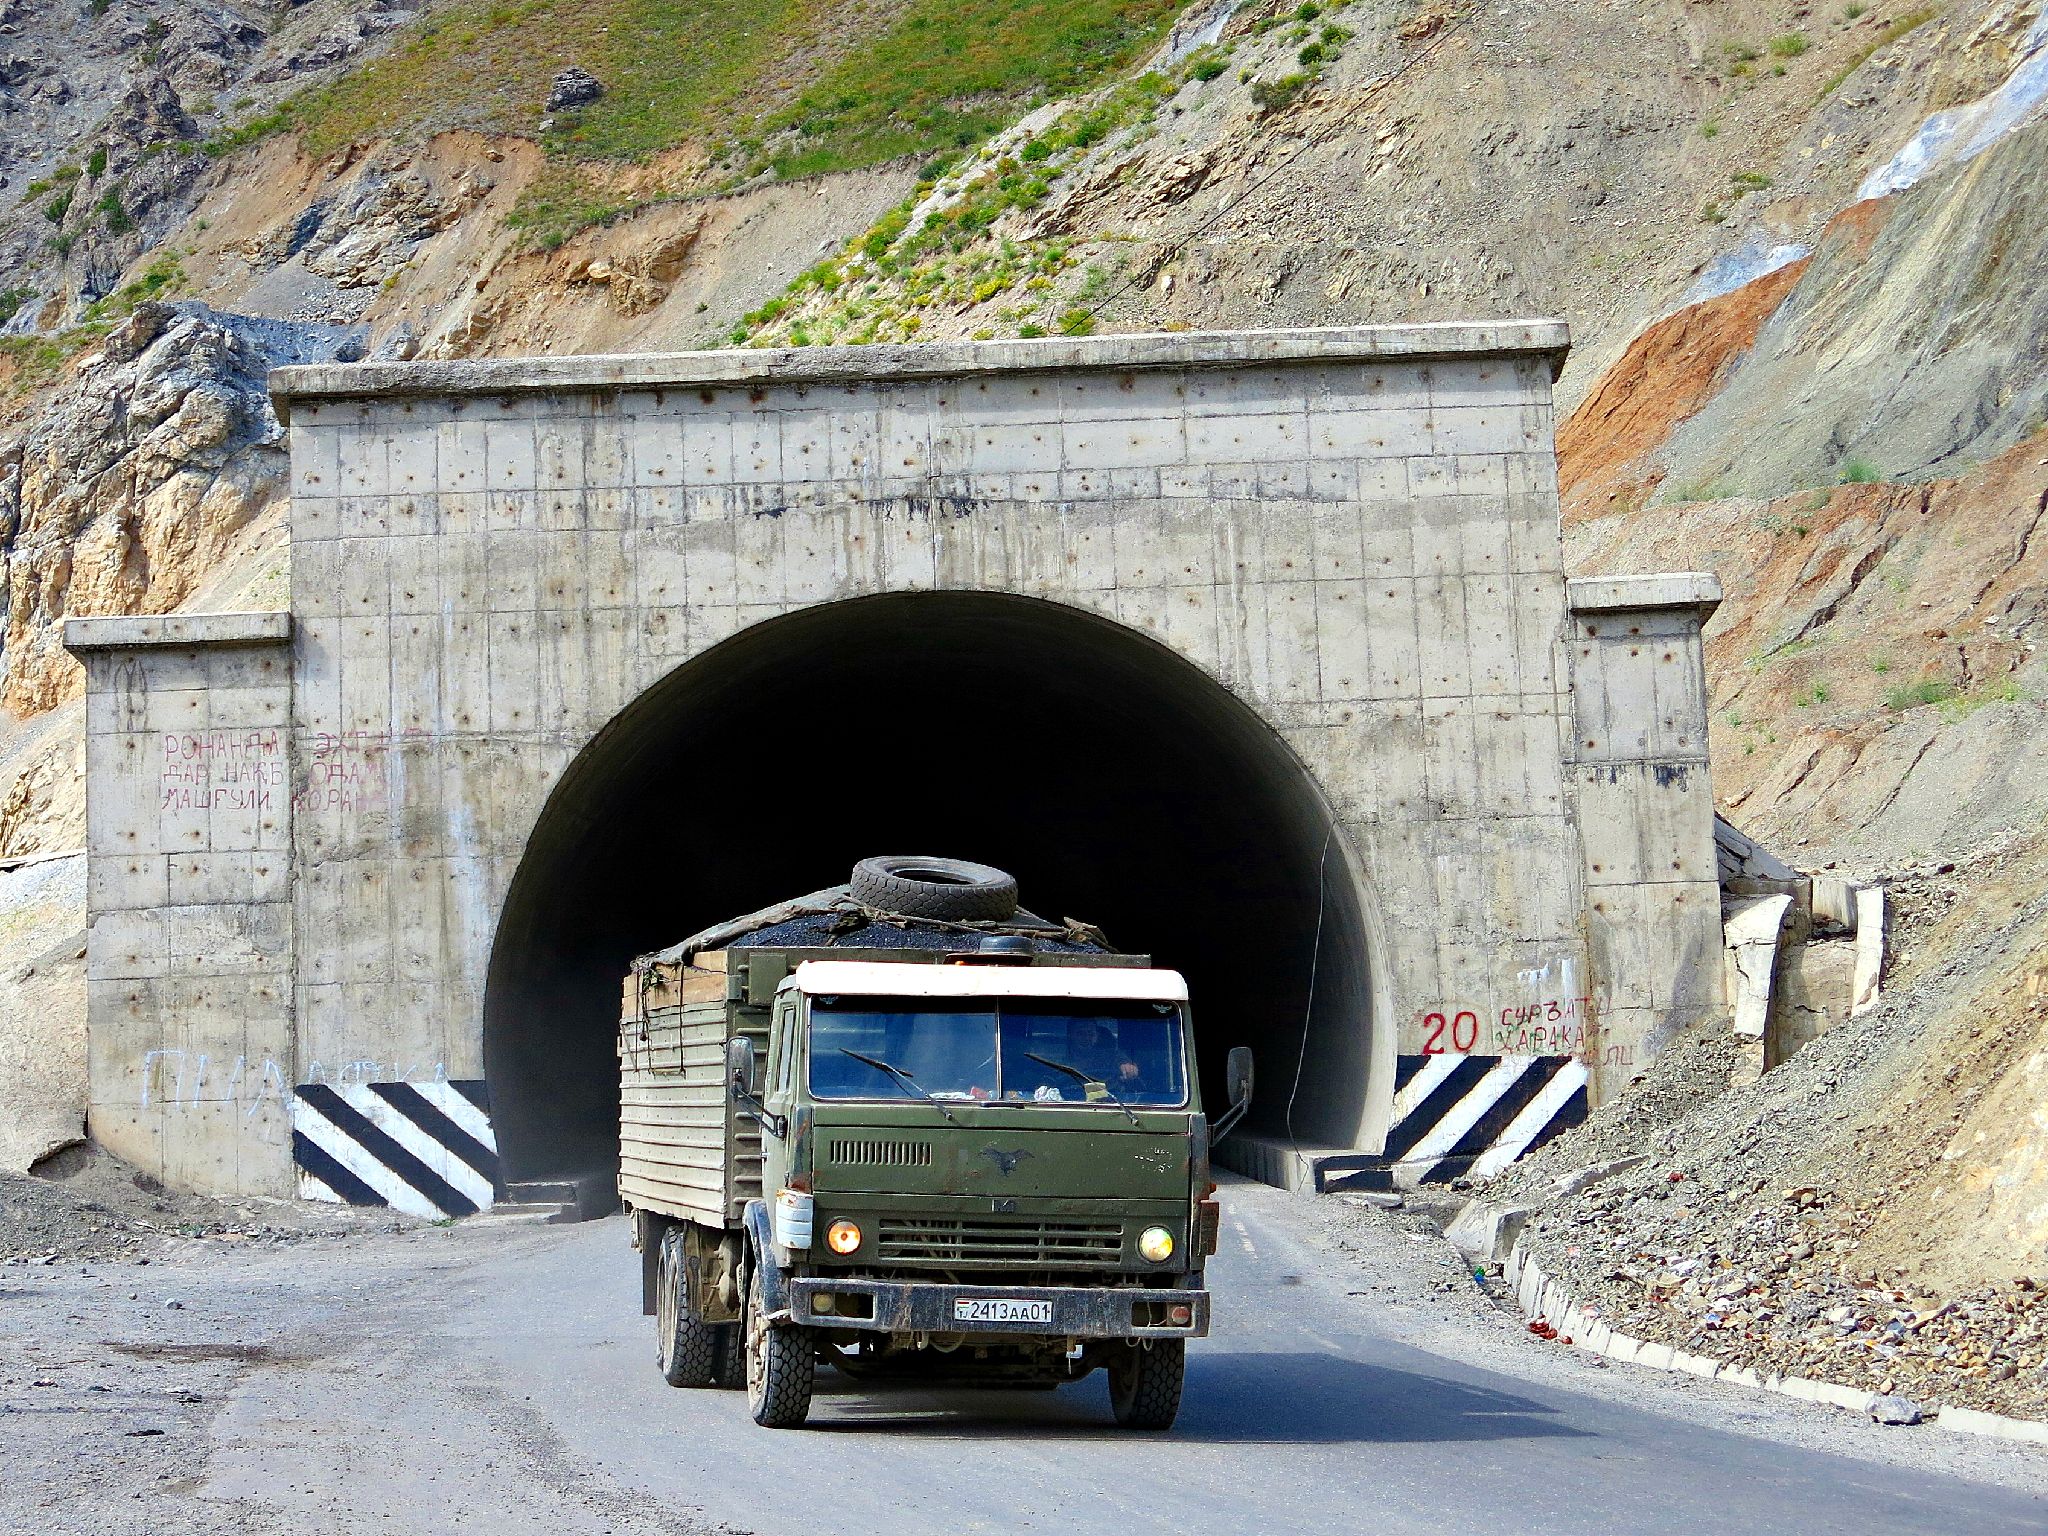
1459	1116
426	1149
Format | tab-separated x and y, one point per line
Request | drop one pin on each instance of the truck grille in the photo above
978	1240
881	1154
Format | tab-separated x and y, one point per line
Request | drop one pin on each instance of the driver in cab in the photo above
1093	1048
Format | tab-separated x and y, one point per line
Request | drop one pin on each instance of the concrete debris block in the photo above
1486	1233
1751	933
1381	1199
1740	856
1811	995
573	87
1585	1178
1893	1409
1870	921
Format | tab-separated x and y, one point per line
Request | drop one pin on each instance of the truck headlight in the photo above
1156	1244
842	1237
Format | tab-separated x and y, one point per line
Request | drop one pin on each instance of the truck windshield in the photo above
1009	1050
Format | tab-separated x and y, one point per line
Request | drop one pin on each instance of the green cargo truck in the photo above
959	1148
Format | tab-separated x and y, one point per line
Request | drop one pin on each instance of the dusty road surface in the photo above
499	1379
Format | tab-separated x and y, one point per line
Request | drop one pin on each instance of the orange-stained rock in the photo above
1606	448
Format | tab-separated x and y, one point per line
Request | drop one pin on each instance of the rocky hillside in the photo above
1799	246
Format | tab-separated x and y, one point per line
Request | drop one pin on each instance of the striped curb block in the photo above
1542	1298
427	1149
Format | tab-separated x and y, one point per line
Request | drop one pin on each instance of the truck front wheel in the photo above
1145	1382
780	1367
685	1348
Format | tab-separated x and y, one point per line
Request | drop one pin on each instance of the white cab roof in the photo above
882	978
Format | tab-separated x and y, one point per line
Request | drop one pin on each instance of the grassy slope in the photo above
796	86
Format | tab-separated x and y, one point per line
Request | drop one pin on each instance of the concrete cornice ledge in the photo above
133	632
1549	339
1698	590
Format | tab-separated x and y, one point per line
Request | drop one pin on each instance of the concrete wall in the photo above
1354	532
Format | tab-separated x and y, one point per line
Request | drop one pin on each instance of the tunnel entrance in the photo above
1118	781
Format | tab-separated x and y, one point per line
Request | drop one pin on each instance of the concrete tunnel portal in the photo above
1120	782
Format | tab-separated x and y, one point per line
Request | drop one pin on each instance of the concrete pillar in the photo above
1645	806
189	952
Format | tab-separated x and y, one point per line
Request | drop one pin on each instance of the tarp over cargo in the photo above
831	918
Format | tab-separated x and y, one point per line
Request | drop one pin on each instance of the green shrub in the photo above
1207	67
1749	181
96	163
1273	95
55	209
1789	45
1860	472
1076	322
1929	690
1310	56
116	217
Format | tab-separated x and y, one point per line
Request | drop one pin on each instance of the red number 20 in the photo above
1464	1028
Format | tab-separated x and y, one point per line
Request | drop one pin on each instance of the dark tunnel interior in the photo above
1115	779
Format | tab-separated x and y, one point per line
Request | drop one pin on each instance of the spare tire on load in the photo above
951	890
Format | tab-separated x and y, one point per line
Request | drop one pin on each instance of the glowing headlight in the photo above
1156	1244
842	1237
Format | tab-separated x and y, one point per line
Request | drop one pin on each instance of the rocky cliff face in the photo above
133	486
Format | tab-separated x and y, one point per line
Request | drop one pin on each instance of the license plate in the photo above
1001	1309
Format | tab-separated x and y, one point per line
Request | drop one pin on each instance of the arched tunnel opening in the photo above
1119	782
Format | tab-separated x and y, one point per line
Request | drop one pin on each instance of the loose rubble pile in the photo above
92	1207
1757	1225
1655	1251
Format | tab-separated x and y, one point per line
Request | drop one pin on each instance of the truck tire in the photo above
685	1349
948	889
780	1368
1145	1382
731	1371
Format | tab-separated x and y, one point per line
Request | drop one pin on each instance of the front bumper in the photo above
1078	1312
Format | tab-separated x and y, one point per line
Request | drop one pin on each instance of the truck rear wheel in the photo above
685	1349
1145	1382
780	1368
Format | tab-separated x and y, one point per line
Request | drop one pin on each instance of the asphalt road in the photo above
503	1381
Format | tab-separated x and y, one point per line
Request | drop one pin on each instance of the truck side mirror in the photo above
1237	1087
740	1066
1237	1075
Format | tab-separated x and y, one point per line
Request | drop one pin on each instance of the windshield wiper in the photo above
1076	1072
902	1077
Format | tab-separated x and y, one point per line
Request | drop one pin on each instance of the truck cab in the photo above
981	1172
